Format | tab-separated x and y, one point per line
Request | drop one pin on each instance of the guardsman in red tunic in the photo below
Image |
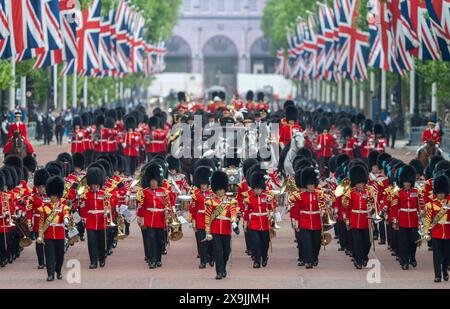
18	126
358	202
405	215
88	141
156	141
344	239
258	213
380	141
130	145
6	210
308	207
95	213
76	140
112	136
201	192
325	142
250	105
350	142
431	134
54	216
220	219
38	199
153	206
368	143
381	184
437	227
286	132
101	137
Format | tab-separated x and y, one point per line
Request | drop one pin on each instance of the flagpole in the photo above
85	93
74	91
12	89
347	93
23	90
324	91
412	90
64	93
339	92
55	86
383	92
434	100
362	105
354	95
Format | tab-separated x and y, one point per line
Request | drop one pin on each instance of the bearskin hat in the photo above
287	104
378	129
368	126
40	177
100	120
298	179
358	174
153	172
305	152
341	159
247	164
11	177
121	164
107	166
66	157
202	175
30	163
332	164
153	122
219	181
77	122
250	95
78	160
173	163
205	162
55	168
14	161
430	169
258	181
373	158
407	174
2	181
111	114
347	131
181	96
130	122
308	177
291	113
441	184
303	163
95	176
110	123
360	118
260	96
324	124
441	166
381	158
55	186
228	162
417	165
86	119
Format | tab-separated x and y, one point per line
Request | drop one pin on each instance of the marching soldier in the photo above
201	193
286	131
88	137
54	215
102	134
380	141
157	138
307	210
153	204
357	203
437	227
38	199
6	211
367	144
130	144
258	210
220	219
350	142
405	209
325	142
76	140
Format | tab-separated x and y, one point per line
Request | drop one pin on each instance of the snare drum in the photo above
184	201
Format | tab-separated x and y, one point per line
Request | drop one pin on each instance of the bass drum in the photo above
184	201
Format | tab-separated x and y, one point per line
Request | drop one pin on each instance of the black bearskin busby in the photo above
260	96
14	161
373	158
110	123
378	129
247	164
55	186
250	95
205	162
418	166
368	126
181	96
219	181
100	120
347	132
95	176
40	178
153	122
381	158
308	177
77	122
130	123
173	163
441	185
358	174
324	124
78	160
153	172
202	175
291	113
407	174
30	163
258	181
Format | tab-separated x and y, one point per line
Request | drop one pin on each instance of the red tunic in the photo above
101	145
286	133
56	229
77	144
257	211
442	229
221	224
93	209
197	208
158	141
88	141
357	207
405	208
380	145
307	209
22	128
153	207
5	218
34	214
132	141
326	145
431	134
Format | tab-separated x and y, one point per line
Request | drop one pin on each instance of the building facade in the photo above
219	39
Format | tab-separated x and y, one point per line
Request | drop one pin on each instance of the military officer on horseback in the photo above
17	131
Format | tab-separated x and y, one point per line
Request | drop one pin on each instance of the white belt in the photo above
360	211
37	215
57	224
5	226
156	209
444	223
223	218
347	149
76	142
201	211
157	142
408	209
95	212
259	214
2	216
318	212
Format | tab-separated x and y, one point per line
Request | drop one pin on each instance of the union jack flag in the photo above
137	44
123	37
108	64
148	68
422	42
354	44
382	41
283	64
88	36
327	27
311	49
4	27
439	12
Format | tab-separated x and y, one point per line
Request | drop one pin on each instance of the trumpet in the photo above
425	234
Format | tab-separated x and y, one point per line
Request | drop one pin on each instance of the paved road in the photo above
126	267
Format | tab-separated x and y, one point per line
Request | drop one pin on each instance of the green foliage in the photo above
5	74
438	72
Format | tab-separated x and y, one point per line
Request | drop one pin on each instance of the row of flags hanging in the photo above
329	45
87	43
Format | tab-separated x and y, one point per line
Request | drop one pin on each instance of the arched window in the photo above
262	60
179	56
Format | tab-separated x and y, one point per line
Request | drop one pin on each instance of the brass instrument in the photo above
82	187
174	225
73	235
120	228
175	136
107	206
426	231
342	188
22	226
47	223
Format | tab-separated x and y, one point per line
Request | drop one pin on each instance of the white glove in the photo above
234	225
66	221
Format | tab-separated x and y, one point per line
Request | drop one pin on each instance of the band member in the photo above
437	227
405	209
94	214
200	193
367	144
325	142
258	210
6	211
287	130
88	137
308	206
431	134
101	137
220	219
156	140
380	141
77	137
250	105
357	204
54	216
131	143
350	142
153	205
38	199
18	127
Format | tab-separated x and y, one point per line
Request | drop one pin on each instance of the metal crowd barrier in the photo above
416	137
31	130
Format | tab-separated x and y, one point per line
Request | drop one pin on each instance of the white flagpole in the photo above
362	105
55	86
412	90
434	100
354	95
347	93
64	93
85	92
12	89
23	90
383	91
74	91
339	92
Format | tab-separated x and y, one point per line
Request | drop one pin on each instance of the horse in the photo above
290	152
424	153
18	147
